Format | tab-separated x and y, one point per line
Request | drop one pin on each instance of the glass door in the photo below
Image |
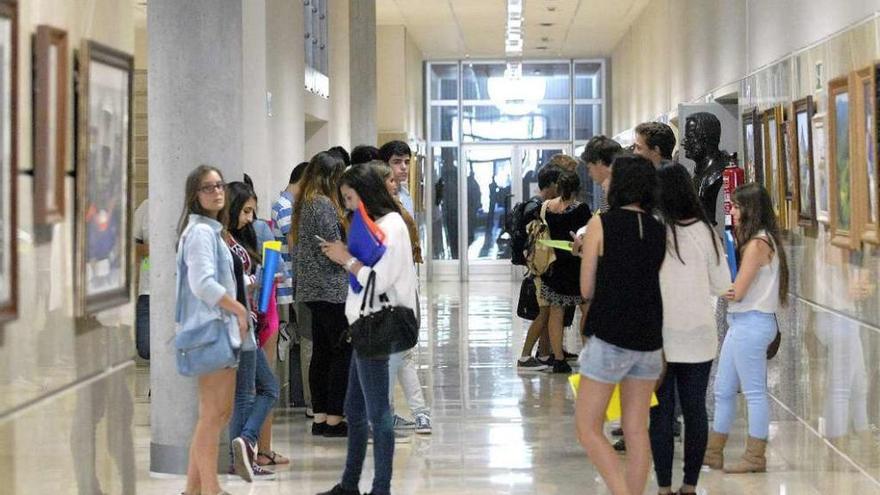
494	179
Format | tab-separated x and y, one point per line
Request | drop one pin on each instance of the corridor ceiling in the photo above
476	28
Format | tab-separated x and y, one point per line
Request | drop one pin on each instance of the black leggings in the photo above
331	355
691	380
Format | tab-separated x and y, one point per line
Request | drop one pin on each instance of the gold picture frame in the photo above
841	221
774	162
866	200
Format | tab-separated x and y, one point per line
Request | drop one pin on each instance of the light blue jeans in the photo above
402	366
743	365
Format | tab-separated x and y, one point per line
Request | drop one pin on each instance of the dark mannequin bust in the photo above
702	135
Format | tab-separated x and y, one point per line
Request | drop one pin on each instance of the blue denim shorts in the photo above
608	363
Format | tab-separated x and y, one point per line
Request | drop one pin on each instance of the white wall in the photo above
400	83
680	50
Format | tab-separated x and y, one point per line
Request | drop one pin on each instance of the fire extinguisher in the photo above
732	177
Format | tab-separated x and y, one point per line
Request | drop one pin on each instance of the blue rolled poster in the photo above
731	253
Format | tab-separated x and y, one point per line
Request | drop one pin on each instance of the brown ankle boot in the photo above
714	457
753	459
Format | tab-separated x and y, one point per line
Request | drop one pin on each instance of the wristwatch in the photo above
350	263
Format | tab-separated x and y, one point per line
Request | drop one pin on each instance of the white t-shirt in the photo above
690	287
140	231
395	271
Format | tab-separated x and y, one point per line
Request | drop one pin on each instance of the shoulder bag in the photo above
206	347
389	330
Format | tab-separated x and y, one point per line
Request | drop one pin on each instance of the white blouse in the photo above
395	271
690	287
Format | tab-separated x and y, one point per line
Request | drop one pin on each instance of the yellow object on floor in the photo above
613	412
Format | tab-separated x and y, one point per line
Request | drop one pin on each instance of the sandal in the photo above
274	458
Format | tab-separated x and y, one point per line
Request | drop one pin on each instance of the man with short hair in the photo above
401	365
282	215
599	154
655	141
398	156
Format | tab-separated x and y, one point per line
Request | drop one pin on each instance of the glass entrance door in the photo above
494	179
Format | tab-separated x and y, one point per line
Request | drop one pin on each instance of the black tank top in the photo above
627	309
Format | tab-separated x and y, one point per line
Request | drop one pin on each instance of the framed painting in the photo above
8	161
773	162
820	166
50	117
752	151
839	164
802	153
866	210
103	177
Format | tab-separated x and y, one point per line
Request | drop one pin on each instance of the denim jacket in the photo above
203	285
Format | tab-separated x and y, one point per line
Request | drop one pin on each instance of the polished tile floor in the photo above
500	432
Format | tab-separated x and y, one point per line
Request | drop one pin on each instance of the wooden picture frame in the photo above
753	161
774	161
866	200
840	136
103	177
9	276
50	124
802	153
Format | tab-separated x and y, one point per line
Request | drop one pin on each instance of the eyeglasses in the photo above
209	188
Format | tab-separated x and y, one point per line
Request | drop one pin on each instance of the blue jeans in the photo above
256	390
367	399
743	364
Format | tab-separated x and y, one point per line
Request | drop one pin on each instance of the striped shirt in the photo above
282	214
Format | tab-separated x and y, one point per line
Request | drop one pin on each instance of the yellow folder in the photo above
613	411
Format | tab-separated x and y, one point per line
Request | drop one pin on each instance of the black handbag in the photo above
527	308
387	331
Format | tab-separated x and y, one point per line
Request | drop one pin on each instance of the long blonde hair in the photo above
321	178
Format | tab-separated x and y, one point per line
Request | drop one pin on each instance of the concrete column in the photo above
362	52
285	79
195	81
257	161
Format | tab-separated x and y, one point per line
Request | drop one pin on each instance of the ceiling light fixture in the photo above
513	41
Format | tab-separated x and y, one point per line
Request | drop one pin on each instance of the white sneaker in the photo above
423	424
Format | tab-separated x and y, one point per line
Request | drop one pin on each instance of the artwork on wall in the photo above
104	92
788	184
773	161
752	151
802	154
839	164
50	112
866	209
8	161
820	165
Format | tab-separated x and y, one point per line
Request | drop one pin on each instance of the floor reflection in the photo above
497	432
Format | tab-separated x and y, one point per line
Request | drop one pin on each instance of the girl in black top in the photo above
623	251
559	285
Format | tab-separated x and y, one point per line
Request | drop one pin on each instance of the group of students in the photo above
650	270
219	249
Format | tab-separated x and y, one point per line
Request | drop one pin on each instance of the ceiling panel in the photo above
475	28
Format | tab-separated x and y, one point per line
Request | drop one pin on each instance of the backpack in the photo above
517	226
539	257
